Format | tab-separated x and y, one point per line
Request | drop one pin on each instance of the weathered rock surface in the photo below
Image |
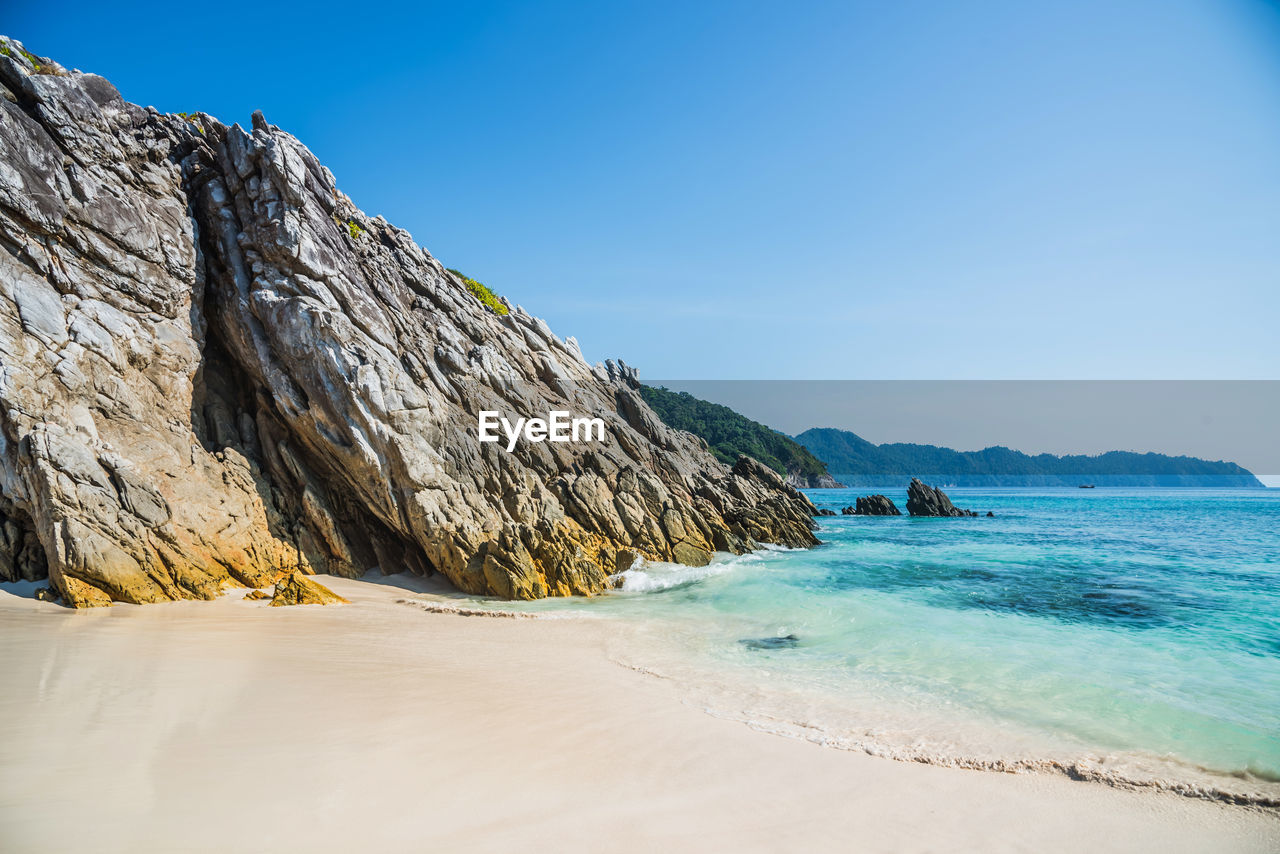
925	500
216	371
822	511
822	481
297	589
875	505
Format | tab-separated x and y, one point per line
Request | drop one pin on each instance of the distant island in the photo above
730	434
827	457
862	463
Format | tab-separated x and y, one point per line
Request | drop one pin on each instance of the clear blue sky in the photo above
784	190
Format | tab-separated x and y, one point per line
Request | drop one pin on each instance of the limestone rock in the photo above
216	370
925	500
297	589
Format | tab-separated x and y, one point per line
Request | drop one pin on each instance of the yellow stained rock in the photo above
297	589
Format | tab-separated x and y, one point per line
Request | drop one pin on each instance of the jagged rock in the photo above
297	589
848	511
255	595
822	511
925	500
875	505
215	370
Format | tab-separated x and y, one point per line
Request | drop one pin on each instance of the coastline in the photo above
381	726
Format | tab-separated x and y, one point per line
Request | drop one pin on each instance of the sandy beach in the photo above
229	725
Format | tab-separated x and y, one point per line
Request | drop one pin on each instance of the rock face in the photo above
822	481
876	505
925	500
215	371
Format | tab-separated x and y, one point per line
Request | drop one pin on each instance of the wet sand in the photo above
374	726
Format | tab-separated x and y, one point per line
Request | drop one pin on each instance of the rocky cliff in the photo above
216	370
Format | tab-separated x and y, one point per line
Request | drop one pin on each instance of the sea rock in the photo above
215	370
876	505
297	589
822	511
925	500
775	642
848	511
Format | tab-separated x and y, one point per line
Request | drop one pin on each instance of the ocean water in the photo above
1132	634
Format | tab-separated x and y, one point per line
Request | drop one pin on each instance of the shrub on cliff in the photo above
487	298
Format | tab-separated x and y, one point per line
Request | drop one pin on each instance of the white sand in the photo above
232	726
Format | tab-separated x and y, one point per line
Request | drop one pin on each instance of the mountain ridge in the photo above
854	458
729	433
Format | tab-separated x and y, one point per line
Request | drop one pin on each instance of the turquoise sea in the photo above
1135	632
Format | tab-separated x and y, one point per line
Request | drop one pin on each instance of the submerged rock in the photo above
217	368
782	642
925	500
876	505
298	589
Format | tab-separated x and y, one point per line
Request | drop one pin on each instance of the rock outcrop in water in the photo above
216	371
875	505
925	500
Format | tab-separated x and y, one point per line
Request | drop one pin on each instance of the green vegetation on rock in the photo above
41	66
730	434
487	298
190	118
354	229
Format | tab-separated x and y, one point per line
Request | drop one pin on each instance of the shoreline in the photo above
778	717
376	724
